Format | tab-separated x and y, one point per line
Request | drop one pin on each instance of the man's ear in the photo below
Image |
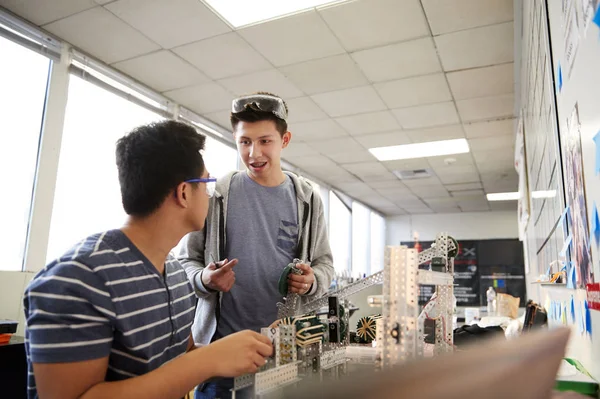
287	137
182	193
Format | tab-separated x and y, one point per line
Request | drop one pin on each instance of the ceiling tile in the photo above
398	192
449	170
349	101
488	166
497	143
271	81
339	175
391	211
400	60
427	115
325	74
435	134
440	201
463	187
317	130
383	139
338	145
408	164
373	122
493	156
490	128
486	107
477	47
428	181
468	194
203	99
102	2
504	206
445	208
415	91
162	71
298	149
430	191
474	206
482	82
103	35
219	57
385	184
368	23
221	118
312	161
356	187
303	109
352	157
453	15
170	23
41	12
456	160
294	39
366	168
377	201
460	178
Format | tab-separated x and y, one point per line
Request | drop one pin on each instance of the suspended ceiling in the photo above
356	75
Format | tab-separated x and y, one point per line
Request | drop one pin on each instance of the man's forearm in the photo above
171	381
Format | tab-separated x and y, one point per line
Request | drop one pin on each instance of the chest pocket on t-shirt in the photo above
287	237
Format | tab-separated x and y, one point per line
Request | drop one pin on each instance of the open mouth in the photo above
258	165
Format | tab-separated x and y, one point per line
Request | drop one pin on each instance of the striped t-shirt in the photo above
104	298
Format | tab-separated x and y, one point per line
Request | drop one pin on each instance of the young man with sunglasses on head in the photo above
112	317
260	219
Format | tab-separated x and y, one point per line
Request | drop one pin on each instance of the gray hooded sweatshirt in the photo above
210	243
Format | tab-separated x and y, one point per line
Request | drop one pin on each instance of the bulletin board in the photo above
573	62
544	231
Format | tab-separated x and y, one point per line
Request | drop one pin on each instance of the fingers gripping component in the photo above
283	279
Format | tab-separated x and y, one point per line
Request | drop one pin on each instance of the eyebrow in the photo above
261	137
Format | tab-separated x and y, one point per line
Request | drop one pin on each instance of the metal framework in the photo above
400	330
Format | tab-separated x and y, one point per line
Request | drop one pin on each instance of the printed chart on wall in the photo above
481	264
575	192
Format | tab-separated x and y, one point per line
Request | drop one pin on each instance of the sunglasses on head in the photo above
261	102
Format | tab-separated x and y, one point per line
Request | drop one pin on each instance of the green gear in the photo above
454	252
283	278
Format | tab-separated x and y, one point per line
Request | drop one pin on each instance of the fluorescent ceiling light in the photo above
421	150
240	13
515	196
503	197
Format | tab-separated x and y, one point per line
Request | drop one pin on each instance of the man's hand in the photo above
219	276
301	283
239	353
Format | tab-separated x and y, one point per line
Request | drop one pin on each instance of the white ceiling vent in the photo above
413	174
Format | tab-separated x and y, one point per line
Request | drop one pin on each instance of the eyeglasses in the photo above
263	102
211	183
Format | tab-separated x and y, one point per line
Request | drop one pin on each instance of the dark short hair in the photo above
153	159
255	115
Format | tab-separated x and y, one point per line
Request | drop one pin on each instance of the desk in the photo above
13	369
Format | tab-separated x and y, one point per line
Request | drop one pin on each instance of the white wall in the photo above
462	226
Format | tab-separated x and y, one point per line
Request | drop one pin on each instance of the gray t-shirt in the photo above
262	233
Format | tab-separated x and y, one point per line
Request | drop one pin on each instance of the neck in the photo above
272	180
154	237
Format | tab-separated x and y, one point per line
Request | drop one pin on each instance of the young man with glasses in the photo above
260	219
112	317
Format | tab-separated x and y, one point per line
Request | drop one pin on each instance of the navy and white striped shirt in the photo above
105	298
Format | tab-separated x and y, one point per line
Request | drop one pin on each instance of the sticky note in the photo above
563	251
571	277
564	214
572	309
596	19
597	142
560	78
595	224
564	314
588	319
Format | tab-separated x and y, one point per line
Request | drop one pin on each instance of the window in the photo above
88	198
23	82
377	242
361	221
219	158
340	232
